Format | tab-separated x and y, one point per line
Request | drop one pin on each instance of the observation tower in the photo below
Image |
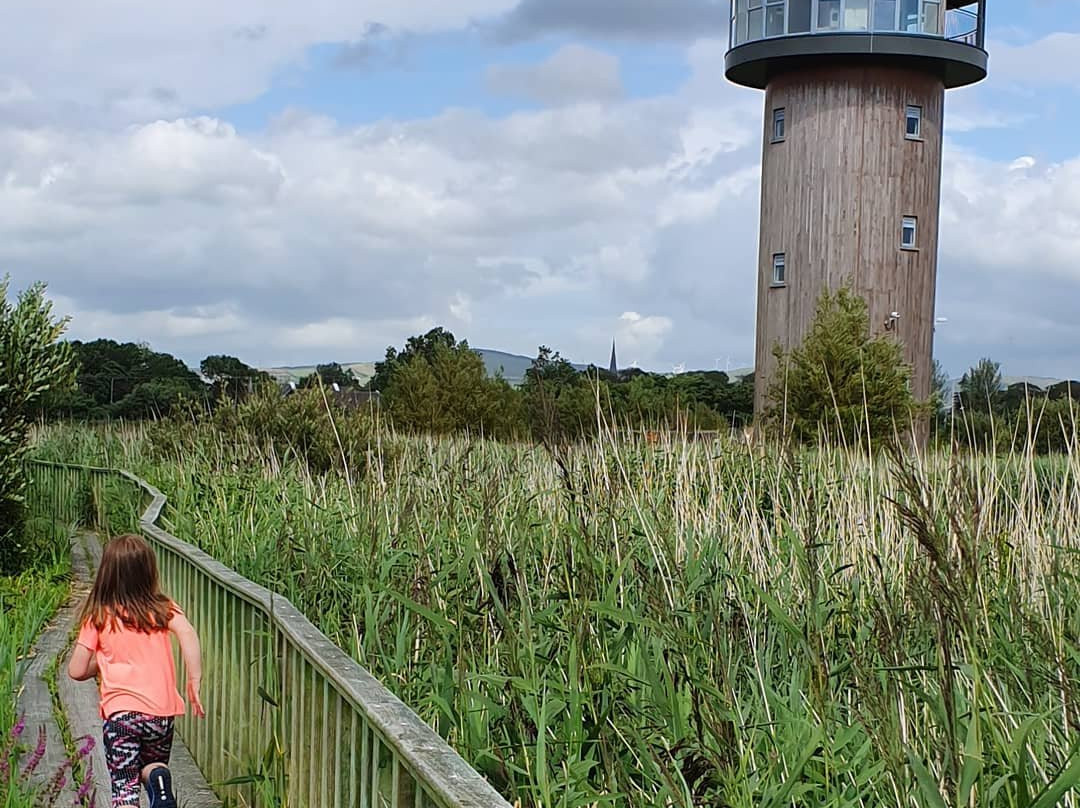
851	161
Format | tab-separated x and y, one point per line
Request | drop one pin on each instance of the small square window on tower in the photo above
779	270
913	123
909	233
779	125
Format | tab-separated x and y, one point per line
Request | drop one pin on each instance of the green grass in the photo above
685	624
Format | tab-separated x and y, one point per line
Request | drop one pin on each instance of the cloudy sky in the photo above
294	182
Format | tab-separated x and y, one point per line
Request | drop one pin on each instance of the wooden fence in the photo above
287	710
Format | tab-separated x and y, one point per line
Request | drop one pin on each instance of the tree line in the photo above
434	383
841	385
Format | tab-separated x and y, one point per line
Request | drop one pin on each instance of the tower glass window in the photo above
741	32
774	18
856	15
931	17
909	16
909	233
828	16
779	270
755	19
799	16
759	19
885	15
913	123
779	125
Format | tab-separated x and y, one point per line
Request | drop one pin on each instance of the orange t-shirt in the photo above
138	673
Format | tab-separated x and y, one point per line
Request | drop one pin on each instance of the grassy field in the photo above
683	624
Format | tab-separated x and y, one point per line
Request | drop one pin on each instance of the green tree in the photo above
32	362
155	399
232	378
1049	424
1018	396
980	388
451	392
424	346
1066	389
940	386
560	402
841	384
110	374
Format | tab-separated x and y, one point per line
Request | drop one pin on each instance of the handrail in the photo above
353	767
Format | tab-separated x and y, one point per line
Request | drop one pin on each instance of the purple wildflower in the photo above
38	754
86	748
9	746
87	786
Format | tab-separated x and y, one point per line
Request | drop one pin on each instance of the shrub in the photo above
842	385
32	362
451	392
304	425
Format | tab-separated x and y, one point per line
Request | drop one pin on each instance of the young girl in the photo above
124	639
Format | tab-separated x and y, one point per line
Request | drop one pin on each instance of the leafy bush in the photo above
32	362
841	385
451	392
304	425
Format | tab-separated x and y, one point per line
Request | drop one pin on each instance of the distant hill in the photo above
363	371
1042	382
512	366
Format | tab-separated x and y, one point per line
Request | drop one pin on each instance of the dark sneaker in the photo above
159	788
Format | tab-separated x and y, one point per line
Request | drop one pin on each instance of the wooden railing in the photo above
288	713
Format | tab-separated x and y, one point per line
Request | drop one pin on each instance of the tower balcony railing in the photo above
963	25
960	21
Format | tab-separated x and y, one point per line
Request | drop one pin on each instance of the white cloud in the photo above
640	337
1013	216
313	240
132	61
304	233
1048	61
573	74
13	91
1009	271
460	307
341	334
151	326
1023	163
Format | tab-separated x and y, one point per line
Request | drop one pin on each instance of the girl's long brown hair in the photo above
127	589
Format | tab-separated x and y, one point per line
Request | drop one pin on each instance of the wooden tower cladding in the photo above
851	161
834	196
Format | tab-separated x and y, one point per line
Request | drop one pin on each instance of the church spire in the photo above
614	363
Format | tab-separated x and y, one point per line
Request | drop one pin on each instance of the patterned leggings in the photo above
133	741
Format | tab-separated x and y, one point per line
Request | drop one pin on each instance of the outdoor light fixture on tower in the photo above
851	168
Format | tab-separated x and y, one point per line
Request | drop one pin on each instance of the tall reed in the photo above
682	623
